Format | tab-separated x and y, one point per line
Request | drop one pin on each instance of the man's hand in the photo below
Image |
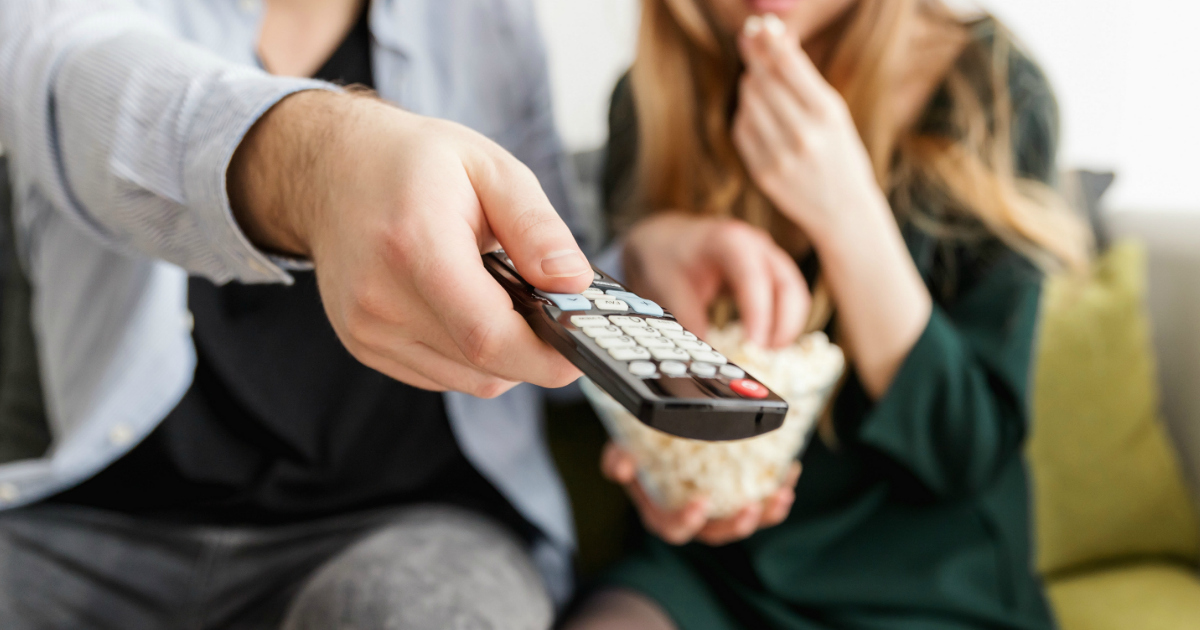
394	210
691	522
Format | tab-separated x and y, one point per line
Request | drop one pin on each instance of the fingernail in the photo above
774	25
567	263
753	26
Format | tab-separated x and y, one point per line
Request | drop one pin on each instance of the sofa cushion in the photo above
1106	482
1142	596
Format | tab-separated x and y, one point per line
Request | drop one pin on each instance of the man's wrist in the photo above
276	175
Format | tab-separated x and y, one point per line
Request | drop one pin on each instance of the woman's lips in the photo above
771	6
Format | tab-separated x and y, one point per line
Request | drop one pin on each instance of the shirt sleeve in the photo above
128	130
956	412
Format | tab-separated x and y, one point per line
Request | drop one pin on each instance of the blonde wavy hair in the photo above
684	84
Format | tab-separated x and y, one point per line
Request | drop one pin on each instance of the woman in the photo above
900	155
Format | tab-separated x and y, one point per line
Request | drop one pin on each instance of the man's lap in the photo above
414	567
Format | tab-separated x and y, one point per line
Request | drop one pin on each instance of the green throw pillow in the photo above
1106	482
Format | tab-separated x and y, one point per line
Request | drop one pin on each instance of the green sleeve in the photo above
956	412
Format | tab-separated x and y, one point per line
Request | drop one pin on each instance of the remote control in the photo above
635	350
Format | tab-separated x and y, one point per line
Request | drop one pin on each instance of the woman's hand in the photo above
684	262
689	522
797	138
799	143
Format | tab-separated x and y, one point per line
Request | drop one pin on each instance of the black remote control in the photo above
636	351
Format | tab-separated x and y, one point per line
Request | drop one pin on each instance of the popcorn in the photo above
736	473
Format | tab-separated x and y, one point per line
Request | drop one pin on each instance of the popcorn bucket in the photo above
735	473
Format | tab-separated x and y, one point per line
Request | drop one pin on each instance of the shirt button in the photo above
120	435
189	321
9	493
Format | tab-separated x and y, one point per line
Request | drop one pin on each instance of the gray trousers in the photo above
423	567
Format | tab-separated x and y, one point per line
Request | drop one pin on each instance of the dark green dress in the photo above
920	517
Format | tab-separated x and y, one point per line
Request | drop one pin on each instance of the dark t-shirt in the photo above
281	423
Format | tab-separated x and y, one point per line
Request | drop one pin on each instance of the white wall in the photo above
1127	73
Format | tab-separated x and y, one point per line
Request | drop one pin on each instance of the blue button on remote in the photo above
639	305
568	301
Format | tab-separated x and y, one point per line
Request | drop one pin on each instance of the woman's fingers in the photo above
746	272
780	55
674	526
736	527
792	299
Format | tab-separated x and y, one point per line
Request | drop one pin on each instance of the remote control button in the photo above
601	283
642	368
629	354
664	325
704	370
625	320
639	305
610	304
643	306
672	368
655	342
732	371
640	331
592	293
568	301
748	388
615	342
678	334
596	275
581	321
692	344
708	356
669	354
601	331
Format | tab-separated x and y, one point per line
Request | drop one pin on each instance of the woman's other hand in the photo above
684	262
796	135
690	522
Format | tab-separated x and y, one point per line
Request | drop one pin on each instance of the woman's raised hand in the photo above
684	262
797	138
691	522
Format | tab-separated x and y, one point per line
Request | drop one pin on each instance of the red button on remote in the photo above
748	388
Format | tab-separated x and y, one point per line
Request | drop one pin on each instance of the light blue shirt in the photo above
120	118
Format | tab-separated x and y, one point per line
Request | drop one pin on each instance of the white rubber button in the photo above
704	370
610	304
669	354
732	371
692	344
625	320
640	331
708	356
9	492
616	342
582	321
678	334
664	324
672	368
592	293
629	354
642	368
655	342
602	331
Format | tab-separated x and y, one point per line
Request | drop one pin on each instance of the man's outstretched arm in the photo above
131	132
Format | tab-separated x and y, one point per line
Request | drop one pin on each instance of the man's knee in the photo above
430	568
